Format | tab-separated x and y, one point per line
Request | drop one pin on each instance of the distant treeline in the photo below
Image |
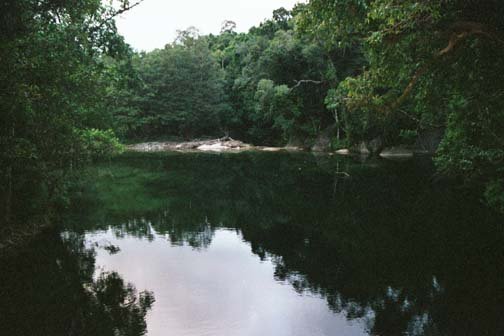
358	70
361	71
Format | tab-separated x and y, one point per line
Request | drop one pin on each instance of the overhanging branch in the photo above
123	10
304	81
460	31
114	14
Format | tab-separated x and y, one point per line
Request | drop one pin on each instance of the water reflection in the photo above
221	290
49	289
314	245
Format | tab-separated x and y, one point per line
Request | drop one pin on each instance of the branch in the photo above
304	81
460	32
117	13
124	9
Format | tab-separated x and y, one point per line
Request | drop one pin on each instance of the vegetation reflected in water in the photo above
49	289
384	245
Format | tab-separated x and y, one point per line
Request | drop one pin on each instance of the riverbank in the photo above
228	144
225	144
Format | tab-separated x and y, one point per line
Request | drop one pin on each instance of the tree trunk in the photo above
336	118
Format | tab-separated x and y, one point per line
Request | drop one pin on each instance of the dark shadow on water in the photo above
49	289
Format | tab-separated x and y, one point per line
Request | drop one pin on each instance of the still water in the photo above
260	244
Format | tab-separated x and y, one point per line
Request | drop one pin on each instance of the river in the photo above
262	244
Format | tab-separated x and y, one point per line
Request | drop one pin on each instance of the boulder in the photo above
271	149
216	147
375	146
343	152
360	148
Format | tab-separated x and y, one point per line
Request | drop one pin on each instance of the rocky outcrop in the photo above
271	149
372	147
375	146
427	143
214	145
360	148
343	152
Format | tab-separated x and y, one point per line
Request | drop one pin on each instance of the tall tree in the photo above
51	91
183	89
429	64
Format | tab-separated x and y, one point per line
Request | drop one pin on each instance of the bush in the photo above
99	144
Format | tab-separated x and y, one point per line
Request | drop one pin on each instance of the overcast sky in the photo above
153	23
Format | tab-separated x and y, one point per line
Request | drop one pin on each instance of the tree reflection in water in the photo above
48	289
385	245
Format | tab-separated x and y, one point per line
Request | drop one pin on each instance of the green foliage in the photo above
371	68
56	61
182	92
427	64
211	85
299	70
98	144
274	110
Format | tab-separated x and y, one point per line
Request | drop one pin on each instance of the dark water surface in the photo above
261	244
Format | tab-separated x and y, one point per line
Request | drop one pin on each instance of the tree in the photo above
228	26
51	88
429	64
183	89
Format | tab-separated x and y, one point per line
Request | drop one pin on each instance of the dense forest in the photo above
376	73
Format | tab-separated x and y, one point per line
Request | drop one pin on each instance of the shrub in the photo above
99	144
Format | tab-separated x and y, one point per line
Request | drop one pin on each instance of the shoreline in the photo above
229	145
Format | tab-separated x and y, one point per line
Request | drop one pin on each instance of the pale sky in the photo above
153	23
